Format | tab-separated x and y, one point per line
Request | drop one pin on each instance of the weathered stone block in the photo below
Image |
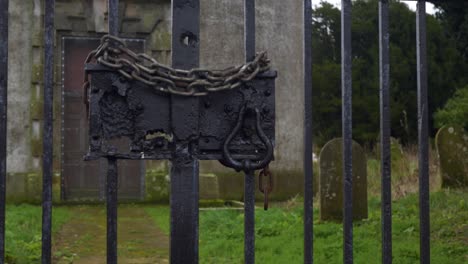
37	73
78	23
162	39
231	185
37	108
38	39
34	187
331	181
36	147
208	186
452	149
16	187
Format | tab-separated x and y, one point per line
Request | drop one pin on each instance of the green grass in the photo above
23	232
279	234
160	214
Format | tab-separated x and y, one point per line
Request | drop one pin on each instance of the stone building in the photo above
147	27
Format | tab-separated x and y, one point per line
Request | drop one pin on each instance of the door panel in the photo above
85	180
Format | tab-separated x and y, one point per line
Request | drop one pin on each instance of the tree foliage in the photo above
444	61
454	17
455	110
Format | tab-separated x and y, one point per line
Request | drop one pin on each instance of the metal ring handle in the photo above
247	164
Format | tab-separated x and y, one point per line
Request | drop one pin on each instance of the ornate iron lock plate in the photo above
236	123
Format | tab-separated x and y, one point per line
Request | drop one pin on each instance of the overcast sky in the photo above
412	4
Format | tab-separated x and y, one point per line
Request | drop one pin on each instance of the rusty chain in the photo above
265	187
113	53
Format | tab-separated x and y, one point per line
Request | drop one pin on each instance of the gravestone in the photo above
452	149
331	181
399	161
396	149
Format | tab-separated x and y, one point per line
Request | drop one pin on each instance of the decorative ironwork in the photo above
236	125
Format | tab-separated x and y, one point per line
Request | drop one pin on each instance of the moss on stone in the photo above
34	187
331	181
38	38
162	40
37	73
37	109
157	186
16	188
452	148
36	147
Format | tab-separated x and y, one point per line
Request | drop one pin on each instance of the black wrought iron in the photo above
47	156
151	135
112	169
180	127
229	116
423	133
111	208
265	185
385	154
308	154
249	180
113	17
346	80
249	217
184	118
3	118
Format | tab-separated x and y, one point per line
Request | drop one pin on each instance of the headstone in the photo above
452	149
331	181
396	149
399	161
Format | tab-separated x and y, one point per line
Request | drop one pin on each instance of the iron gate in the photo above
184	223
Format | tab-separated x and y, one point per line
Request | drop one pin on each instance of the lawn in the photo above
23	232
279	233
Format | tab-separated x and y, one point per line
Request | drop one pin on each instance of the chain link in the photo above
265	187
113	53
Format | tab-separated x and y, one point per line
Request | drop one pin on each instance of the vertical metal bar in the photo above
113	16
111	198
346	81
249	178
308	169
249	217
3	118
249	29
423	136
385	156
184	209
47	156
112	169
184	119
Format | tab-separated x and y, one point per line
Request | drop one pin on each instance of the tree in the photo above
455	110
444	75
454	17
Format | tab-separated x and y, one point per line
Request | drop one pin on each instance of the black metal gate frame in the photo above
186	14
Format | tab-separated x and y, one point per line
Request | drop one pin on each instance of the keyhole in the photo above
188	39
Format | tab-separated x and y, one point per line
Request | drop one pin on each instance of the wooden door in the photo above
85	180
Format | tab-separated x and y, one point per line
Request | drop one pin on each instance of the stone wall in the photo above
279	32
150	20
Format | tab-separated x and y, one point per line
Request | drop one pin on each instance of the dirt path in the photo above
83	238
